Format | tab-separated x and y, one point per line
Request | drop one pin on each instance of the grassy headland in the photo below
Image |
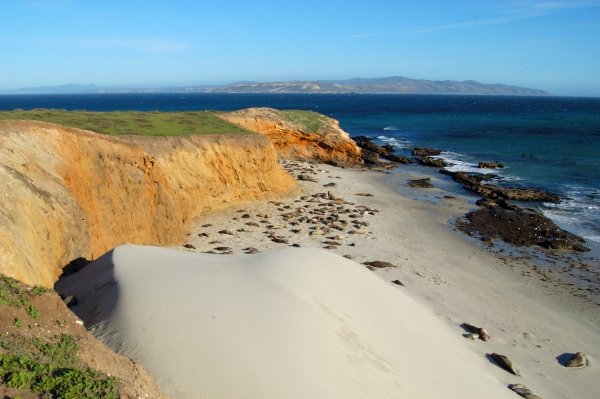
133	122
308	121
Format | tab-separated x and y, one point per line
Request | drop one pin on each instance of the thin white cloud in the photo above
141	45
515	12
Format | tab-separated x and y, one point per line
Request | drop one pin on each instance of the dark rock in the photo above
366	143
70	301
370	157
421	183
490	165
433	162
228	232
577	361
388	148
332	184
250	250
364	194
425	152
475	184
398	282
447	172
486	203
189	246
564	244
526	194
490	203
520	227
379	264
279	240
371	152
398	159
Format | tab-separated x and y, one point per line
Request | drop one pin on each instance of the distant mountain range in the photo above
393	85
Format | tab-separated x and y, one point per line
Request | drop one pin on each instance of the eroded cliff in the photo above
69	193
323	141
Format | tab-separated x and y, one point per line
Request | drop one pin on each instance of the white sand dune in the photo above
292	323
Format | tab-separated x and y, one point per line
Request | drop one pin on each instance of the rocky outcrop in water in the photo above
490	165
519	227
425	152
421	183
424	156
70	194
476	184
433	162
327	144
372	153
498	218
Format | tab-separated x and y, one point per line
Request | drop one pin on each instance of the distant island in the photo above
389	85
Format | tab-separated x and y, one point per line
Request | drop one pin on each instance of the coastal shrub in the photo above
51	367
47	379
12	293
15	294
33	311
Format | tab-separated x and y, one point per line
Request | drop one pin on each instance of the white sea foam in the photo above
459	164
580	212
592	238
393	128
396	142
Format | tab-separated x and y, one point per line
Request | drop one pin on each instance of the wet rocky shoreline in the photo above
498	217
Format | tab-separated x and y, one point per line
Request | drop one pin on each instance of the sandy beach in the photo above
401	325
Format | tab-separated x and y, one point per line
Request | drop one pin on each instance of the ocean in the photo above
552	143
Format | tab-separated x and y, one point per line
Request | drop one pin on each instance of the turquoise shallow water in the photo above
547	142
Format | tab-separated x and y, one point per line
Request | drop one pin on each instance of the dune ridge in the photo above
292	323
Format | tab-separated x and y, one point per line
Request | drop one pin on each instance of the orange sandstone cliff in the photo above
328	144
69	193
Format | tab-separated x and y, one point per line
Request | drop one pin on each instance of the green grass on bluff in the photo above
133	122
309	121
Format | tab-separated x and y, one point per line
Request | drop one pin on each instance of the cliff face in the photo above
69	193
329	144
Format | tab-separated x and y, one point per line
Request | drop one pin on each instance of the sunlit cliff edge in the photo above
70	193
324	141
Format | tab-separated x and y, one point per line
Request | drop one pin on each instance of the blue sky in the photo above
551	45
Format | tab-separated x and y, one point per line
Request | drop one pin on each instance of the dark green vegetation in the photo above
308	121
13	293
46	366
133	122
50	368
